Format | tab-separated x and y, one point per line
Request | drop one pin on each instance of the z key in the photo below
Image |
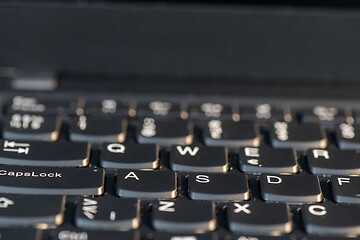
31	127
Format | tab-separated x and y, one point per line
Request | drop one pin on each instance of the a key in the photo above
184	216
324	115
264	111
156	109
37	153
165	131
31	210
82	234
231	134
108	214
256	237
129	156
174	236
299	188
51	180
334	162
95	130
265	159
348	136
346	189
206	111
300	137
106	107
146	184
20	233
218	186
35	106
259	218
31	127
198	159
331	219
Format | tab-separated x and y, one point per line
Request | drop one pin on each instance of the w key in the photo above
37	153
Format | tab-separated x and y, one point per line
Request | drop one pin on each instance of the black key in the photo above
259	218
198	159
85	129
81	234
348	136
325	115
31	127
300	188
265	159
108	213
184	216
231	134
31	210
106	107
52	154
247	237
331	219
218	186
300	137
174	236
146	184
334	162
165	131
129	156
40	106
346	189
157	109
207	111
20	233
51	180
264	111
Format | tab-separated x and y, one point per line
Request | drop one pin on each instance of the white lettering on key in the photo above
252	152
160	108
320	153
347	131
324	113
187	149
211	109
89	208
82	122
202	179
263	111
108	106
342	180
116	148
25	121
132	175
149	127
317	210
247	238
69	235
254	162
27	104
242	208
183	238
112	216
273	179
5	202
166	206
281	131
215	129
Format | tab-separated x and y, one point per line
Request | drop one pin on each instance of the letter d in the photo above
273	179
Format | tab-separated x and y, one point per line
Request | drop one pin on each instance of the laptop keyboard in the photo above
90	169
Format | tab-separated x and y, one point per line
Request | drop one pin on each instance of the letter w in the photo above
187	149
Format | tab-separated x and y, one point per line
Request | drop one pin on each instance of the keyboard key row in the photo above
181	216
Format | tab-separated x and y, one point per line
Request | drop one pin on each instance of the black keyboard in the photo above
88	168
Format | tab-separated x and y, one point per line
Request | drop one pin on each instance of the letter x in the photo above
240	208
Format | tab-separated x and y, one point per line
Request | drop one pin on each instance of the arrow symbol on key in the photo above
19	150
13	144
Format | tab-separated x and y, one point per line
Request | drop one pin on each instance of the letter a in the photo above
132	175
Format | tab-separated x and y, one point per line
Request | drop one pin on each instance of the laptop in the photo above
179	120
